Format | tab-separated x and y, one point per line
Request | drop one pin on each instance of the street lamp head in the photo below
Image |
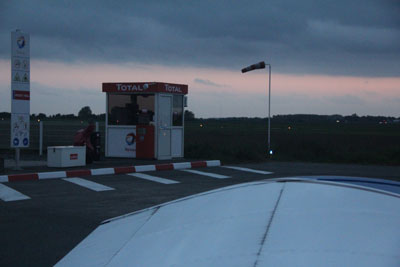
259	65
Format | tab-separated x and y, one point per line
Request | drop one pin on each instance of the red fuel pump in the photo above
145	141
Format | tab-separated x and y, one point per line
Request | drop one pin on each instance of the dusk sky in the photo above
327	57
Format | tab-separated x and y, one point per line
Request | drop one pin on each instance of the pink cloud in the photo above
217	82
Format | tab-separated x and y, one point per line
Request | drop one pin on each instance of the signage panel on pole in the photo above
20	130
20	89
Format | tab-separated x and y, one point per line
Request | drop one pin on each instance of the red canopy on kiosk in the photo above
143	87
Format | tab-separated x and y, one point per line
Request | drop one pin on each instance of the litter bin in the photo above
96	143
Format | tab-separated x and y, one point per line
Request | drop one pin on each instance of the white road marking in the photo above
9	194
247	170
213	163
145	168
51	175
102	171
153	178
213	175
88	184
182	165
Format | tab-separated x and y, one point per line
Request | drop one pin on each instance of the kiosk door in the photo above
164	127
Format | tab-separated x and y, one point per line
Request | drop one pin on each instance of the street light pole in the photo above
269	111
261	65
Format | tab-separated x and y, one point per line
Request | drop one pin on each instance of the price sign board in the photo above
20	88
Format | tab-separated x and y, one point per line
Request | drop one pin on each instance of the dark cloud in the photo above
358	37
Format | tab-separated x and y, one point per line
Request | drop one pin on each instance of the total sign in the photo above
20	89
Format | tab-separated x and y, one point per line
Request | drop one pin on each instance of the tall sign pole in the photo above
20	91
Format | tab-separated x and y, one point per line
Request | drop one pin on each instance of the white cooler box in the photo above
66	156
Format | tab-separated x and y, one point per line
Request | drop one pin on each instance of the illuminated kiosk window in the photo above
144	120
177	109
124	109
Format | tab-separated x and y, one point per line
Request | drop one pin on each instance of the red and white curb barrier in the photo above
105	171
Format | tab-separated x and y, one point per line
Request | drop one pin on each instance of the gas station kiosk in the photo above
144	120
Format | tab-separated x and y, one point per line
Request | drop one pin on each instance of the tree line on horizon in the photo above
86	114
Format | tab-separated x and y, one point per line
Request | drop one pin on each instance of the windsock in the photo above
259	65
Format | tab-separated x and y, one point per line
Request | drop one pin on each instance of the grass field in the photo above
245	140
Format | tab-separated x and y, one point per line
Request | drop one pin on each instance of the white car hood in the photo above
293	223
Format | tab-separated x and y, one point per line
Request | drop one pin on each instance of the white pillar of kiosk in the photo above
144	120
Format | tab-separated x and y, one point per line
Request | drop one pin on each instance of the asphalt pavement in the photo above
58	213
